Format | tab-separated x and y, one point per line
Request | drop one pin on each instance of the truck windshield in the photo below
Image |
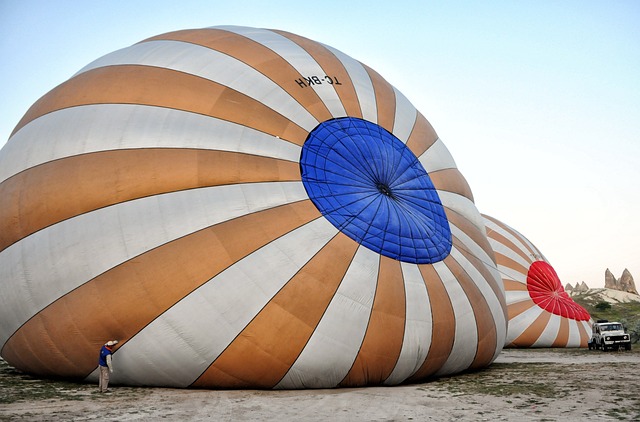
612	327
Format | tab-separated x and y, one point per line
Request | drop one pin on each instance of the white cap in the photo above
111	342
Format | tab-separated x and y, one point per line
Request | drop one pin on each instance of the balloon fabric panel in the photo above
383	198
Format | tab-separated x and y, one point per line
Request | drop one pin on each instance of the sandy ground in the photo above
521	385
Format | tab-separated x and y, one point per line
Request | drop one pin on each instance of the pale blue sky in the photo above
538	101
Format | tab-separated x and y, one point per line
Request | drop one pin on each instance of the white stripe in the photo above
462	206
362	84
214	66
474	249
574	333
520	241
437	157
502	249
196	330
520	323
418	326
509	273
103	127
515	296
465	343
537	254
405	117
471	247
334	345
50	263
297	57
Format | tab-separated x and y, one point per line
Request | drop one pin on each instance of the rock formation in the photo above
582	288
623	284
579	288
626	282
609	280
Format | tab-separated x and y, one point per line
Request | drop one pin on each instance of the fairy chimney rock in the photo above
626	283
610	281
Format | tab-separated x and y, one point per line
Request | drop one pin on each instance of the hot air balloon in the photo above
240	208
541	313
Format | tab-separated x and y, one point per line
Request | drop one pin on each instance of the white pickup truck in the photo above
609	336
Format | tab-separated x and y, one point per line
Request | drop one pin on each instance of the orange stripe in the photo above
514	286
562	338
422	136
333	69
451	180
259	57
382	342
130	84
515	309
385	99
585	335
61	189
510	263
477	235
509	244
122	301
265	350
533	332
485	326
38	352
444	324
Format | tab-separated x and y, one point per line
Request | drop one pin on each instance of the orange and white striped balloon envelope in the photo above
541	313
240	208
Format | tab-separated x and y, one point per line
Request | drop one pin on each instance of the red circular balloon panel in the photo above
547	292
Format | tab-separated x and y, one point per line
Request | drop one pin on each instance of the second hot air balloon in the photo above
541	313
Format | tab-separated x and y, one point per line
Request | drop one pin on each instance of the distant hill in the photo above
612	296
616	290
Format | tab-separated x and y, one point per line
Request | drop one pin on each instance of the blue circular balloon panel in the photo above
373	188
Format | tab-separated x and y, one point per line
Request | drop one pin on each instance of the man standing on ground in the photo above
105	364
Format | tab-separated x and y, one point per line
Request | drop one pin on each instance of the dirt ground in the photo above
521	385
